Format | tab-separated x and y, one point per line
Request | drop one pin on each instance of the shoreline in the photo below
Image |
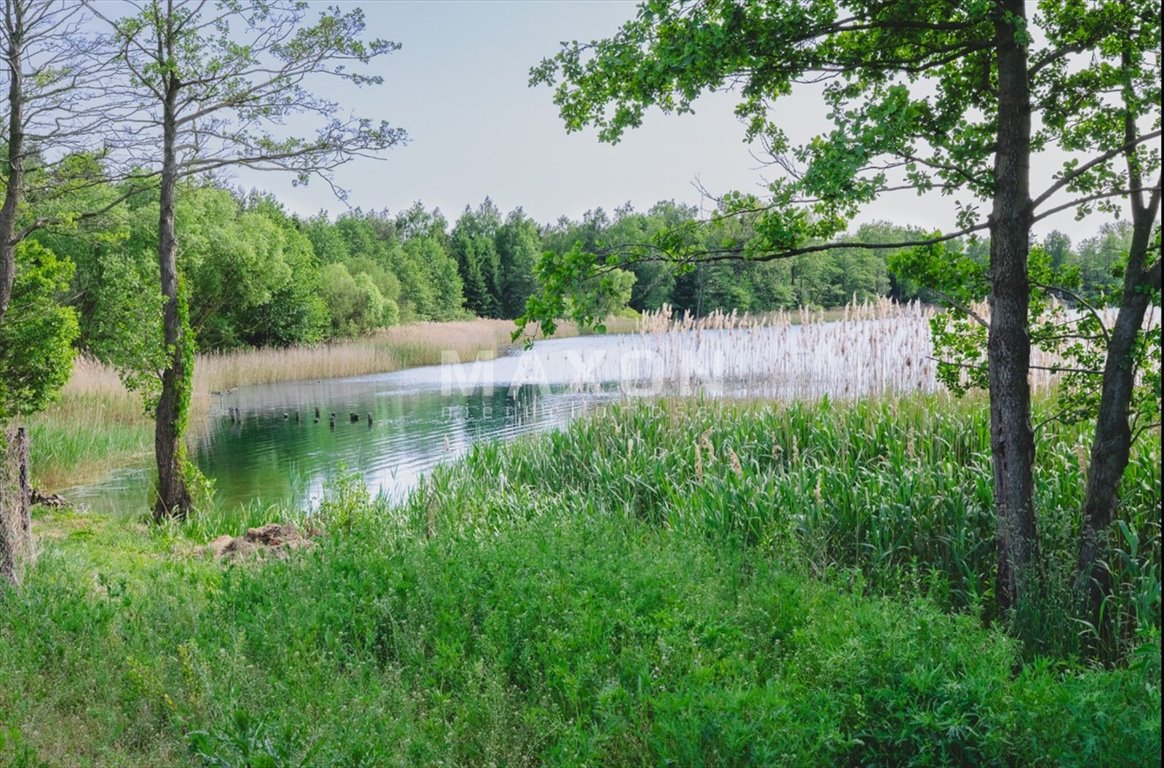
96	426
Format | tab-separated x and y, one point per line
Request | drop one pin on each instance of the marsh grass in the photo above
899	489
94	426
867	348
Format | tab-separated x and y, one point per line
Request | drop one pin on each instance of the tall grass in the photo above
900	490
95	425
672	584
390	349
866	348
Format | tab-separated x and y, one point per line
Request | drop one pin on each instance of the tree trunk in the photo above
1009	344
173	498
16	550
14	162
1112	443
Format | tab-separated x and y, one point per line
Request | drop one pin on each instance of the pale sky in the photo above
459	86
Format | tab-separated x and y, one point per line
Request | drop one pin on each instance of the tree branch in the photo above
1096	161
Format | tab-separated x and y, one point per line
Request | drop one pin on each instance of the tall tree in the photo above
518	245
213	80
473	244
926	96
49	72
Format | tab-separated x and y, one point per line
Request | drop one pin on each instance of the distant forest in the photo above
258	276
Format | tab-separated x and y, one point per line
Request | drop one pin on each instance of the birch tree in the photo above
216	84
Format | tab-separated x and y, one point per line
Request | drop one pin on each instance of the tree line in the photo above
258	276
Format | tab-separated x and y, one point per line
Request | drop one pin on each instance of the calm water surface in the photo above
277	452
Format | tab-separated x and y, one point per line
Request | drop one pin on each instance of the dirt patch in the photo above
277	539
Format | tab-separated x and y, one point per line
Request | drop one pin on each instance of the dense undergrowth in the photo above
683	584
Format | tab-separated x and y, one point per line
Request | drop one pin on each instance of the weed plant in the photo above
668	584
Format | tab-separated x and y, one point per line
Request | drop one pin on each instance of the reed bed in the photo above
390	349
871	348
94	426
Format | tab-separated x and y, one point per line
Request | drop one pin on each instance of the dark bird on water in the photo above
354	417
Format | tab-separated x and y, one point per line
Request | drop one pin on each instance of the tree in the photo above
518	247
36	352
211	81
50	67
926	96
427	243
473	244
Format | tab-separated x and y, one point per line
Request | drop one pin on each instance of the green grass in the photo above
625	593
900	490
74	442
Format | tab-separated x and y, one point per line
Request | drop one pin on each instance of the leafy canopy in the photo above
36	338
911	92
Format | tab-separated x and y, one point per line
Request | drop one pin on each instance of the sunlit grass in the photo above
678	583
899	489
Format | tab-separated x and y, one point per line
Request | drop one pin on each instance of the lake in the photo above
264	444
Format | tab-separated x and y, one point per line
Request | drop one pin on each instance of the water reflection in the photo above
266	443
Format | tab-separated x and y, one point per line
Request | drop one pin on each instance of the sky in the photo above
459	86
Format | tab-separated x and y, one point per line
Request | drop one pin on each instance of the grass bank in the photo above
684	584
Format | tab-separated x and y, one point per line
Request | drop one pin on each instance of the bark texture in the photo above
14	161
173	497
1112	443
1009	343
16	550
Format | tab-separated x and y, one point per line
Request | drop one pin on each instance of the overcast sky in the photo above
459	86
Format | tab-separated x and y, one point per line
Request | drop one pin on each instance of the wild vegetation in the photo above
883	580
922	98
683	582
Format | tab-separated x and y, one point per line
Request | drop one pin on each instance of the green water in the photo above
264	444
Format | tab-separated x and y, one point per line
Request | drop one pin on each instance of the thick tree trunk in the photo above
1112	443
173	498
16	550
14	162
1009	345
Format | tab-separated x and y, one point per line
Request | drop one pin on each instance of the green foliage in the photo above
623	593
354	302
346	503
600	296
473	244
900	490
518	248
15	751
245	741
1069	324
36	338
